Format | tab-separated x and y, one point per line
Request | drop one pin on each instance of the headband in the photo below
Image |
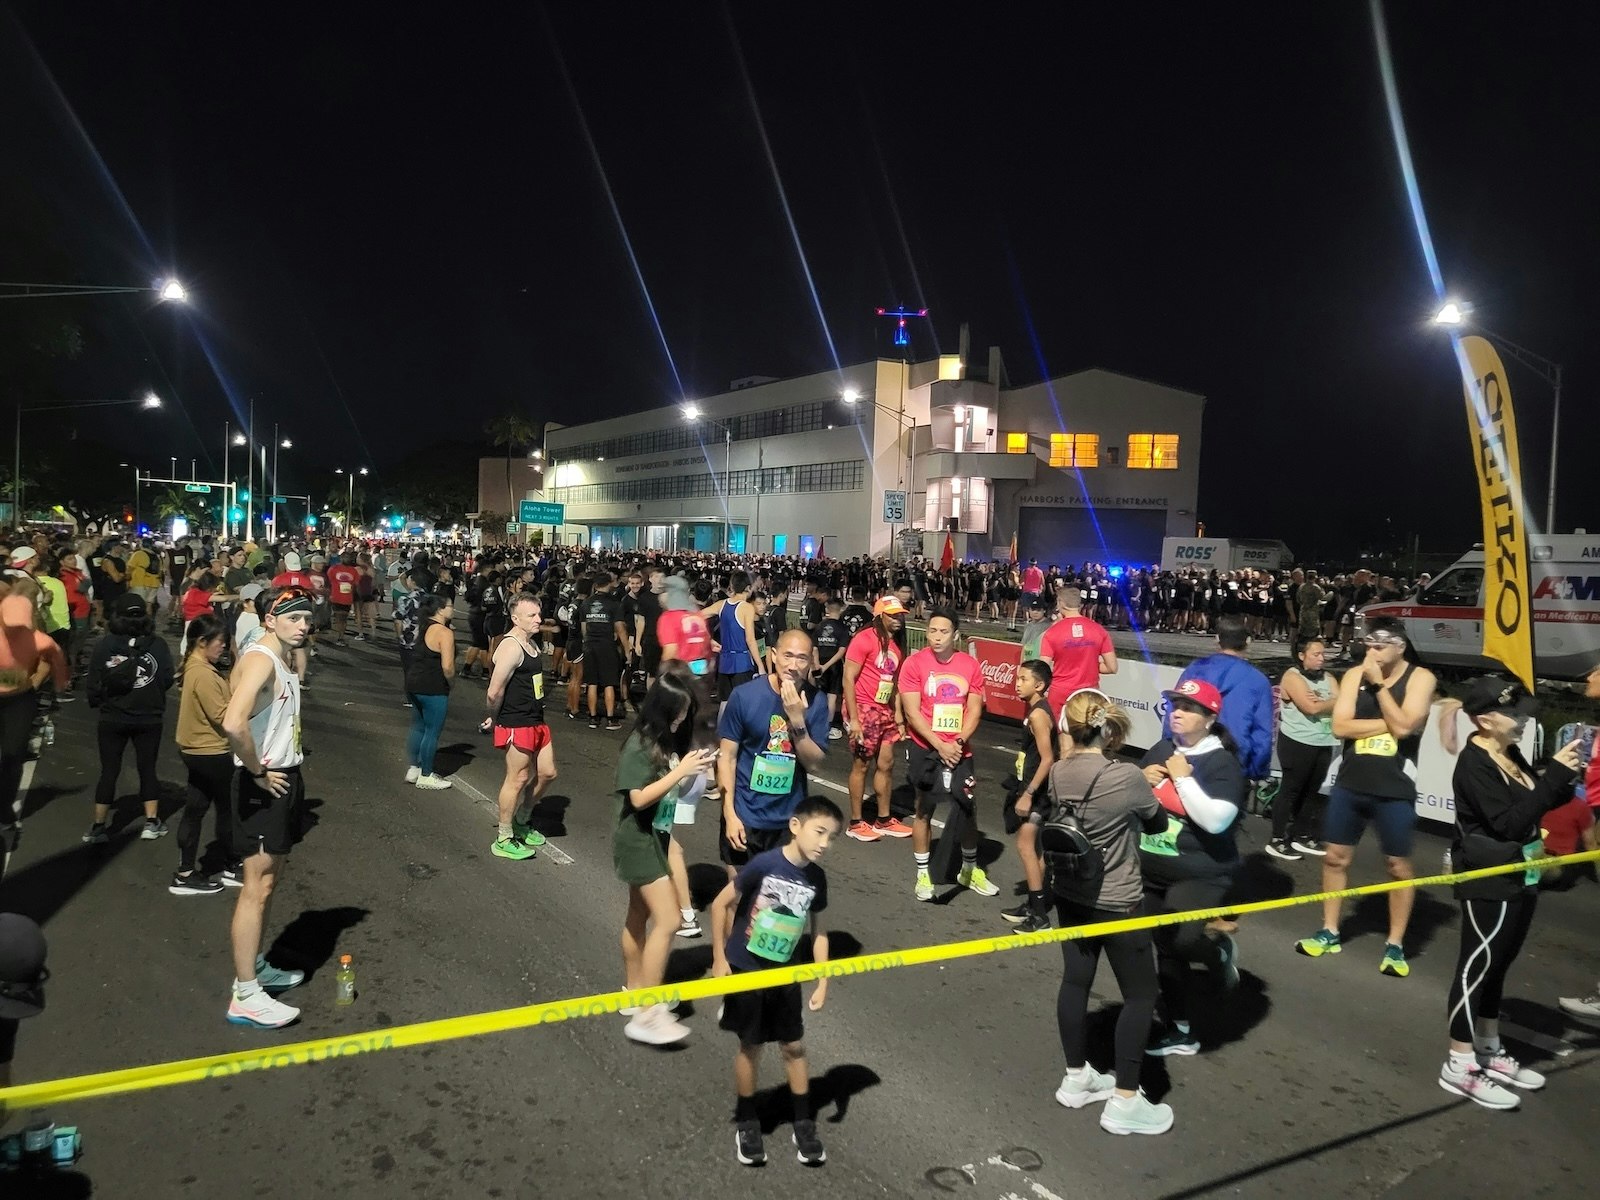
292	600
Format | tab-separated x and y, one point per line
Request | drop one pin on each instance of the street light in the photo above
691	412
277	444
147	401
350	497
165	289
1458	314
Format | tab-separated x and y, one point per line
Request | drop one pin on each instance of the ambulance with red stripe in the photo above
1445	619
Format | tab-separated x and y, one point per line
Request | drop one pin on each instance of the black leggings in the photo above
1178	947
1135	968
1492	932
114	736
16	723
1304	769
209	776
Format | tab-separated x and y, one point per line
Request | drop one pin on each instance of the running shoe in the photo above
1173	1041
232	875
1017	915
154	828
277	979
835	733
1135	1114
974	879
1584	1006
808	1146
1308	845
1091	1088
655	1026
593	723
924	886
688	927
571	716
862	832
1280	848
747	1144
526	834
1475	1084
1228	971
891	827
612	725
1323	941
193	884
1501	1067
413	774
1036	922
433	783
262	1011
1394	961
98	835
511	848
712	793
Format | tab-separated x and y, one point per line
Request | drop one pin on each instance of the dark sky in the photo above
395	228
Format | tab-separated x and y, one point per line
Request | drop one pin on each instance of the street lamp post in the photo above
691	412
165	289
1460	315
230	439
278	443
148	400
350	494
903	421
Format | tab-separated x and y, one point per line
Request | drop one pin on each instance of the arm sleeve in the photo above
1213	804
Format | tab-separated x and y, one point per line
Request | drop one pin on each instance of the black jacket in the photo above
1495	818
143	701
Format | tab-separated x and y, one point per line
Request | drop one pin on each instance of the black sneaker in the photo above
1281	848
593	724
1017	915
808	1145
98	835
232	875
571	716
1309	845
613	725
1035	922
193	884
748	1146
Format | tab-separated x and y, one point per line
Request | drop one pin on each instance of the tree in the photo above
174	503
511	430
340	495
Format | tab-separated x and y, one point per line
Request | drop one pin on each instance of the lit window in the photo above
1016	443
1074	449
1153	451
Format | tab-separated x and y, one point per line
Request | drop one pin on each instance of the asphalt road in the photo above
1317	1077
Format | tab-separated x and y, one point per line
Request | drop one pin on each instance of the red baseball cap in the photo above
1197	691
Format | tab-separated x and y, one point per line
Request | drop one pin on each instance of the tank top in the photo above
1308	731
523	703
735	657
425	670
275	725
1381	765
1028	753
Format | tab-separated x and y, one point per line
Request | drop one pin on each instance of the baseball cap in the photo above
1197	691
129	604
1036	602
888	606
291	561
23	554
22	973
1489	693
251	590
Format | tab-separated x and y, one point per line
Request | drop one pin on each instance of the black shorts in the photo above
650	655
726	683
831	681
925	772
574	650
769	1015
479	639
755	841
262	821
603	664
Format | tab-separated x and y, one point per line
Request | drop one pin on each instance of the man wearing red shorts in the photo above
871	663
516	713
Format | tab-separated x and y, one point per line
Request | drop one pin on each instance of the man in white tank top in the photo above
263	727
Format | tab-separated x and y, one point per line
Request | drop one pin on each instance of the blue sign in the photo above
538	512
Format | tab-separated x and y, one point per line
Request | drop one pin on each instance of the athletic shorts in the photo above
1349	812
925	770
604	664
650	658
530	739
478	639
877	727
262	821
726	683
755	841
766	1015
831	681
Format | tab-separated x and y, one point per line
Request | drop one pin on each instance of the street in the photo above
1317	1077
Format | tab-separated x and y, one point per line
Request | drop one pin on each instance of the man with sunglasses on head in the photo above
1380	714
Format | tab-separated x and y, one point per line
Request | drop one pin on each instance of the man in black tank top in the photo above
516	715
1380	714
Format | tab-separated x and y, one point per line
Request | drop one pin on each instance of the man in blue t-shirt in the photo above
771	732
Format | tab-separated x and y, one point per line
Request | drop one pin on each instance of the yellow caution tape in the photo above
226	1066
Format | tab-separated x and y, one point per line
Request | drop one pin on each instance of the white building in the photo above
1093	465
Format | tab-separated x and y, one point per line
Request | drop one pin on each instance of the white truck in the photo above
1223	554
1445	619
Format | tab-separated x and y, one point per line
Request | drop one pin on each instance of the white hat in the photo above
291	561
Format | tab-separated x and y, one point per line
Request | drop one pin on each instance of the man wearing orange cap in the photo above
871	665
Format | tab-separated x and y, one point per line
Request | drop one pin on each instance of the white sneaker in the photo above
655	1026
1135	1114
1092	1087
412	773
1505	1069
835	733
262	1011
1476	1085
433	783
1588	1006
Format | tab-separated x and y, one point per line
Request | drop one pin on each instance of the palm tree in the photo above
173	503
511	430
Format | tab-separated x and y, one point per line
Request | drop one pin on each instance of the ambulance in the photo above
1445	619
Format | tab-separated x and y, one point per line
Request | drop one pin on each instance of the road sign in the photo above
197	487
894	507
278	499
513	526
537	512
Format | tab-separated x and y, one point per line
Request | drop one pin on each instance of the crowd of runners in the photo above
727	681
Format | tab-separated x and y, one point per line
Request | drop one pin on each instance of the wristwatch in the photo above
261	774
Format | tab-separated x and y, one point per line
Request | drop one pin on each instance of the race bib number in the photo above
297	749
885	690
772	774
344	588
774	934
1380	744
538	686
1164	843
947	718
666	809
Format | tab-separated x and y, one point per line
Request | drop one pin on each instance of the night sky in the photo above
395	229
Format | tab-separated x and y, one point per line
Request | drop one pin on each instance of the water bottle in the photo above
344	982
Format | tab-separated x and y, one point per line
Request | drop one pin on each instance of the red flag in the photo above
948	558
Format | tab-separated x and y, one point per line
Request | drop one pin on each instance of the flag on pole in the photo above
1013	545
948	558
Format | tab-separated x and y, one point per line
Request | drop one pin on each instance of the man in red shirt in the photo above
870	663
1032	581
1078	649
342	580
294	574
941	699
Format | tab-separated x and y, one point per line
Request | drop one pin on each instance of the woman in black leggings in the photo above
1305	749
1499	801
206	757
1106	795
130	671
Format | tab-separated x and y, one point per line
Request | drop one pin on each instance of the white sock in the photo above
505	833
243	991
688	915
1078	1074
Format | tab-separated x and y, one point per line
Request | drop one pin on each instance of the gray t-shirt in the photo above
1119	802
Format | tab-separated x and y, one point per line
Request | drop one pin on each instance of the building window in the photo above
1016	443
1153	451
1074	449
810	477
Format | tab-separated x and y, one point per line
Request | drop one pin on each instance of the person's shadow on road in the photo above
834	1090
310	939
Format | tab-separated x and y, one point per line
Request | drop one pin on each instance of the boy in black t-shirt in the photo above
757	923
832	640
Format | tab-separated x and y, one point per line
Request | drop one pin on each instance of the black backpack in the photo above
1064	845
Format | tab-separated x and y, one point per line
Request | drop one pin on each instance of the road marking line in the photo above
1540	1041
828	783
554	852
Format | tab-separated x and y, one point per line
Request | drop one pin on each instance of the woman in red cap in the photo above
1198	780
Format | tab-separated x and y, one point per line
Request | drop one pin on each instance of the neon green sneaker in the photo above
977	881
527	834
1323	941
924	886
511	848
1394	961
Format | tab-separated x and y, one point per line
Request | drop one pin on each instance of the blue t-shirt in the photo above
770	880
768	780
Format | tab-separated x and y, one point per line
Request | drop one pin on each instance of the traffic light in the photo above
236	513
311	521
397	521
243	494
